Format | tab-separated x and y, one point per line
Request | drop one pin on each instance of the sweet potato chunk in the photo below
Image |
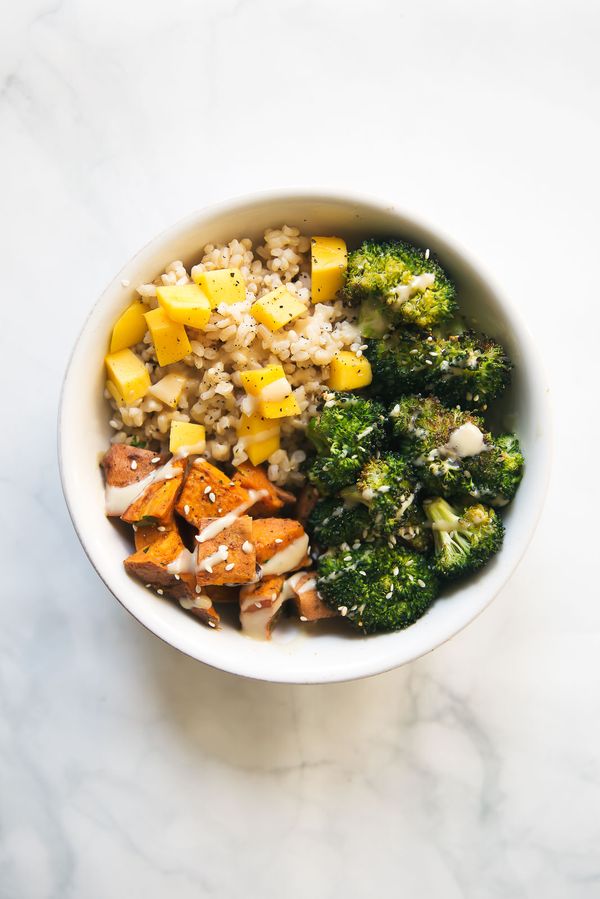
208	493
229	557
306	502
260	605
254	477
157	502
284	538
150	565
309	605
222	593
118	461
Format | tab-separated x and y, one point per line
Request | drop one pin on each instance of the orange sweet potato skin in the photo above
201	482
266	531
157	502
233	537
308	603
117	464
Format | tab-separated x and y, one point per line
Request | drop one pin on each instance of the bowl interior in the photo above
297	653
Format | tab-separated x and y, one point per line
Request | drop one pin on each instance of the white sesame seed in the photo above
427	253
343	610
229	567
147	586
278	540
135	527
186	509
133	465
258	605
247	547
212	497
155	460
420	582
125	282
389	595
161	528
211	623
207	567
207	490
303	618
395	572
198	588
160	592
177	578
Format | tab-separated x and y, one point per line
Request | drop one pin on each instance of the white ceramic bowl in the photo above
329	652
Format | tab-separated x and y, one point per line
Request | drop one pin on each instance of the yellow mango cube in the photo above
255	380
128	374
169	338
348	371
168	389
281	408
129	328
225	285
259	437
186	304
277	308
116	394
329	261
187	438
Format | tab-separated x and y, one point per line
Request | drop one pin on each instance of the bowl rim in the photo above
537	378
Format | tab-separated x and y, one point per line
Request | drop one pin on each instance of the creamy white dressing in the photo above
288	558
464	442
255	619
209	562
417	282
219	524
198	602
184	563
118	499
276	390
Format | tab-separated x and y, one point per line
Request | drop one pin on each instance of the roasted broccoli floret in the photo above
377	587
387	490
407	279
470	369
373	318
347	432
464	540
333	521
452	452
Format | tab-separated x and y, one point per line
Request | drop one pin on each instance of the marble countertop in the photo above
128	770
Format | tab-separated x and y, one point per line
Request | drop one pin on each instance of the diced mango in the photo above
280	408
169	338
128	374
255	380
349	371
168	389
186	304
260	437
277	308
129	328
225	285
185	435
116	394
329	261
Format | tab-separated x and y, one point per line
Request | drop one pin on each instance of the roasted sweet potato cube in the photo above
208	493
309	605
222	593
306	502
229	557
157	502
260	605
281	544
149	534
150	564
124	465
254	477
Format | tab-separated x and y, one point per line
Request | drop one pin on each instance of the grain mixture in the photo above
234	341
